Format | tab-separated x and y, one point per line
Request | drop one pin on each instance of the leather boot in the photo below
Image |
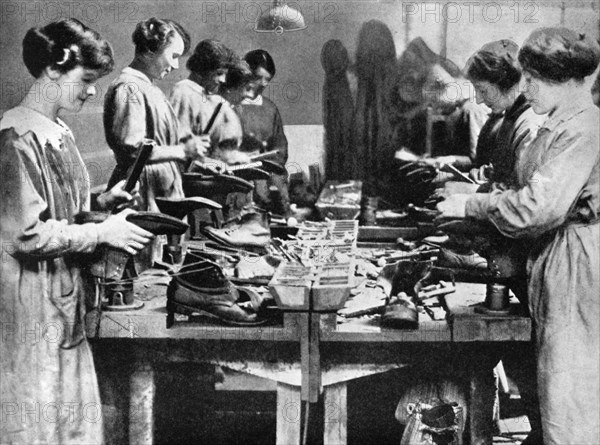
202	287
250	230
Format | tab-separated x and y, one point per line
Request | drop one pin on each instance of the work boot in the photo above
201	287
450	259
250	230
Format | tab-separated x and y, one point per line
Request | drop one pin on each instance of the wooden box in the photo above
291	286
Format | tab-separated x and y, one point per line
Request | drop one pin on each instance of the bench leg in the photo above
289	413
335	414
141	402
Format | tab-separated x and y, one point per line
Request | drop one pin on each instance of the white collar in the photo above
23	120
257	101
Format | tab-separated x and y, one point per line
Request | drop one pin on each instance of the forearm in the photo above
52	238
165	153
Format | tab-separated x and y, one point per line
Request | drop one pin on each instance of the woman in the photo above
555	204
495	74
263	130
135	109
194	99
48	382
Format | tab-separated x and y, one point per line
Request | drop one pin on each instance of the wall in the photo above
457	28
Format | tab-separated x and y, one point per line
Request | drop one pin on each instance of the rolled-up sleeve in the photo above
551	191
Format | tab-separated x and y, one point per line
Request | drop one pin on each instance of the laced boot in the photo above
202	288
250	230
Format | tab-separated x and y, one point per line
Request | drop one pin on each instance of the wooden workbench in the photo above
337	354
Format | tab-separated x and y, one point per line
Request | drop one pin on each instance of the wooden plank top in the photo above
464	324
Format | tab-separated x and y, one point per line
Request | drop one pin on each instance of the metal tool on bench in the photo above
114	268
505	263
180	208
208	127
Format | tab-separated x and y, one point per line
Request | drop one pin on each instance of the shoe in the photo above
198	184
158	223
154	222
273	167
251	230
180	207
250	173
203	288
449	259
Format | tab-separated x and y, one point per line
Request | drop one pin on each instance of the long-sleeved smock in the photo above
556	205
48	384
263	131
134	110
194	107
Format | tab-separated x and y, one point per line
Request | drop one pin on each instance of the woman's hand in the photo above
481	174
196	147
117	232
117	195
454	206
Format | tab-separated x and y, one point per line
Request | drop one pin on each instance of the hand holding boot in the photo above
117	232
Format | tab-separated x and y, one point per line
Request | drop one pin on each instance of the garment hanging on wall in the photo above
377	73
338	113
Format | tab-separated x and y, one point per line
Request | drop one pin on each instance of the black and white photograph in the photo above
303	222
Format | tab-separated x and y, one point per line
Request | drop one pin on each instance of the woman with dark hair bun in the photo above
45	359
495	73
135	109
263	129
194	99
555	206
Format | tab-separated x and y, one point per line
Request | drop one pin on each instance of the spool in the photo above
497	298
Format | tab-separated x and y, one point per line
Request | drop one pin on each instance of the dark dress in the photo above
263	131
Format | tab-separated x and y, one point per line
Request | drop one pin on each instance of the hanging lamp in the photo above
280	18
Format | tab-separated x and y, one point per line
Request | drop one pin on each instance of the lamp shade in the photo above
280	18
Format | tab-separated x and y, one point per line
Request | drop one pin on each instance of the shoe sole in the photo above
178	308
